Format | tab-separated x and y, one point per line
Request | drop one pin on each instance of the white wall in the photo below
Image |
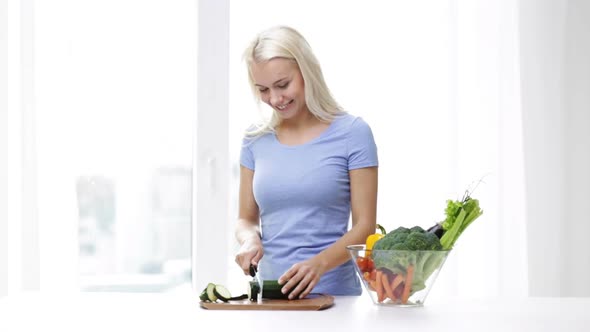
576	85
3	149
541	24
555	59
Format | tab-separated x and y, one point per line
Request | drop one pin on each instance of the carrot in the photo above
398	291
373	274
372	285
394	284
397	280
379	287
371	282
408	284
387	287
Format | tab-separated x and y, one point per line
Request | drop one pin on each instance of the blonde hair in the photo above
287	43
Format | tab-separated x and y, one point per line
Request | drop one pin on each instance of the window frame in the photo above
211	159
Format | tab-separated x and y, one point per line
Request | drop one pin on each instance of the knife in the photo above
254	272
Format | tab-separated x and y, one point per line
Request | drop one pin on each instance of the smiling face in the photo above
281	86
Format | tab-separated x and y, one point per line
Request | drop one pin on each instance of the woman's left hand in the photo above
301	278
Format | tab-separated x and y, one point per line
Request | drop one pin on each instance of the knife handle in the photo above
253	270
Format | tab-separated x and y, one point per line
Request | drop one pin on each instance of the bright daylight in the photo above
170	165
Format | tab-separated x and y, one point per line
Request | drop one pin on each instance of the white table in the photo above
37	311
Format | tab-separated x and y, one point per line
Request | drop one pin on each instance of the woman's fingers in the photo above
287	275
240	261
257	257
308	289
244	260
303	287
249	254
299	281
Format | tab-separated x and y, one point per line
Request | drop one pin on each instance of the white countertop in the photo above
37	311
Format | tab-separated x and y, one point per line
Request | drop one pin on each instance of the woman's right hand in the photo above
250	253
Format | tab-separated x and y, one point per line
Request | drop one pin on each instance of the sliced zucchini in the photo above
211	292
204	297
222	293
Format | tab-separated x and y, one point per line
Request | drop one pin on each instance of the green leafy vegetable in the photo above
459	215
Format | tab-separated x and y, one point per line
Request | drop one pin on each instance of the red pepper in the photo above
370	264
365	264
361	262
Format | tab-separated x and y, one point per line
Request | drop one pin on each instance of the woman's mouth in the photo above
284	106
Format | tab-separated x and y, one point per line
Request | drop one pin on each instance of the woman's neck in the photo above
303	121
301	130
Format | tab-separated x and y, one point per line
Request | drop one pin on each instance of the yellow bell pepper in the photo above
371	239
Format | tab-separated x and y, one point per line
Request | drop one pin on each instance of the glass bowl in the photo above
385	274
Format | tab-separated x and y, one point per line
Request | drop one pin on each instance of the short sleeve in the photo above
246	155
362	150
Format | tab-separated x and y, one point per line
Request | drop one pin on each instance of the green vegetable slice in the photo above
222	293
211	292
204	297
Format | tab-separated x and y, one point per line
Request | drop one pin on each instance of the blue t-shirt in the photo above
303	196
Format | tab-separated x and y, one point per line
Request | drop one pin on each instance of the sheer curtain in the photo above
521	81
490	258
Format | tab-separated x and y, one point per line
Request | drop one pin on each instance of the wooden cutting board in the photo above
312	302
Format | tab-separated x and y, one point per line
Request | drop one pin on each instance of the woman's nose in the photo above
275	97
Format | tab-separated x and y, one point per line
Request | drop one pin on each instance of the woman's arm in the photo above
363	193
248	225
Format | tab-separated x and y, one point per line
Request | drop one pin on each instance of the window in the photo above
115	86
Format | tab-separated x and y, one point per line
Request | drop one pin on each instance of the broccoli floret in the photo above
423	241
417	229
397	235
403	238
413	246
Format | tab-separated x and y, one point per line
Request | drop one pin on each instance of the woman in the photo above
302	174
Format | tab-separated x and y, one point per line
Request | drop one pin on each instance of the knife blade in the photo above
255	273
